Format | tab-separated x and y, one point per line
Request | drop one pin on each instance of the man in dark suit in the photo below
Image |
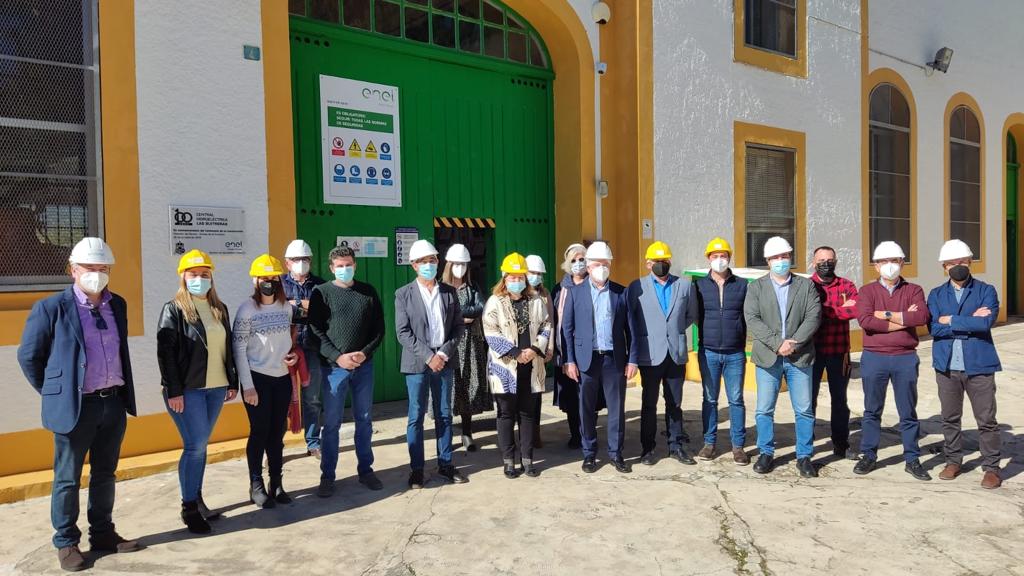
74	352
598	354
661	307
428	321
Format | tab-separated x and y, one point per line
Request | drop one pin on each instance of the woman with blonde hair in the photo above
567	390
197	373
517	329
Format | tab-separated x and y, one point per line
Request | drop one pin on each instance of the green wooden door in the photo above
476	142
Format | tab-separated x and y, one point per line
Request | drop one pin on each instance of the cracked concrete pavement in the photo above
713	518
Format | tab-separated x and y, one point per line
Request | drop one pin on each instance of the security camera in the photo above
601	13
602	68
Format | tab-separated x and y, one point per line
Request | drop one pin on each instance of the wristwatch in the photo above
888	315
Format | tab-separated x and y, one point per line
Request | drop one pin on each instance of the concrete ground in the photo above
713	518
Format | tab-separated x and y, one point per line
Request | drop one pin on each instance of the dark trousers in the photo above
521	406
666	377
99	432
568	399
604	376
838	381
981	389
268	420
877	370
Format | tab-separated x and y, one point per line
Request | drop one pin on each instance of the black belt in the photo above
102	393
604	352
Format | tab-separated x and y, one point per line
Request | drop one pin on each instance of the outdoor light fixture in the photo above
942	58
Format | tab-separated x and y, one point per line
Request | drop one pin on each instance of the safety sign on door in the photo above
360	135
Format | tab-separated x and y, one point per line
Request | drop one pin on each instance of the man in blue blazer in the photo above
74	352
962	313
661	307
598	354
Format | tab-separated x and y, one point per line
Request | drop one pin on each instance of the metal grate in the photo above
50	181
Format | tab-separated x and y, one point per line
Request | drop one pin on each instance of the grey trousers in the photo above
981	389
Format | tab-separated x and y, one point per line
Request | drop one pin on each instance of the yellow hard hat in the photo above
717	245
194	259
265	265
659	251
514	263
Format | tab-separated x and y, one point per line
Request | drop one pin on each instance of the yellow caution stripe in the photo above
453	222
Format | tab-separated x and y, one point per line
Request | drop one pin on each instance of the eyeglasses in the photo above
101	324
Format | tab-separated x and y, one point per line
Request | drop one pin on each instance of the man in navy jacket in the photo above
74	352
599	354
965	360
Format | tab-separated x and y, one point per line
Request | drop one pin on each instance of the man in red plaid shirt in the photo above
832	345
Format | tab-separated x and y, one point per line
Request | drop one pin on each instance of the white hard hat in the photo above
573	248
776	245
888	249
457	253
599	251
535	263
298	249
954	250
421	249
91	251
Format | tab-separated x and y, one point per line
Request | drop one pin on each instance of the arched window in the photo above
965	178
889	214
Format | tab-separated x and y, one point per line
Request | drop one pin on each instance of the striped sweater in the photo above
260	339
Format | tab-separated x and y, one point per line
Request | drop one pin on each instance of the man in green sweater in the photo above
347	316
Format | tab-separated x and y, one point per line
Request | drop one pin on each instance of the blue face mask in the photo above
345	274
534	279
198	286
515	286
780	267
427	271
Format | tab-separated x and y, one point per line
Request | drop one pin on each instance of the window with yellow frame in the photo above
771	34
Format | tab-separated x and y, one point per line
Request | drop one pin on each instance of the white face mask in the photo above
300	268
93	282
458	270
890	271
600	273
720	265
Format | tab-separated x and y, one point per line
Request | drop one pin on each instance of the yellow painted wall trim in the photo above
277	102
874	79
120	145
957	100
743	134
1014	124
772	61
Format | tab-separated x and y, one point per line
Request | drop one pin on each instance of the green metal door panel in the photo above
476	141
1012	238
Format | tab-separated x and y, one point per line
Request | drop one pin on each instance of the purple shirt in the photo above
102	347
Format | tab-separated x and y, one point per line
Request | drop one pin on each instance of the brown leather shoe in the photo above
950	472
991	480
740	457
706	453
71	558
113	542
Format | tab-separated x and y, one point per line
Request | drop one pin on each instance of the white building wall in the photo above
201	142
985	40
699	92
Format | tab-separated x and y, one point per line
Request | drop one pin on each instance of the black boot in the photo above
277	492
193	519
208	514
258	495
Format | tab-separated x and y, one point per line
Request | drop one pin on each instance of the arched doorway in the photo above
461	151
1013	141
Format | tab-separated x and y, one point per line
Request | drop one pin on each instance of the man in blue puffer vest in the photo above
965	360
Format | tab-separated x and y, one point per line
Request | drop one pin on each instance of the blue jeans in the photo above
312	407
876	371
99	432
733	367
339	381
195	423
769	382
440	387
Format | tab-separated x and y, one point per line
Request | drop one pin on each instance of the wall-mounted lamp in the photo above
942	58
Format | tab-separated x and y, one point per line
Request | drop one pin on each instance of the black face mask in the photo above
826	270
959	273
268	288
660	268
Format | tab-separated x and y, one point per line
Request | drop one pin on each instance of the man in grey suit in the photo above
783	313
428	321
661	307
